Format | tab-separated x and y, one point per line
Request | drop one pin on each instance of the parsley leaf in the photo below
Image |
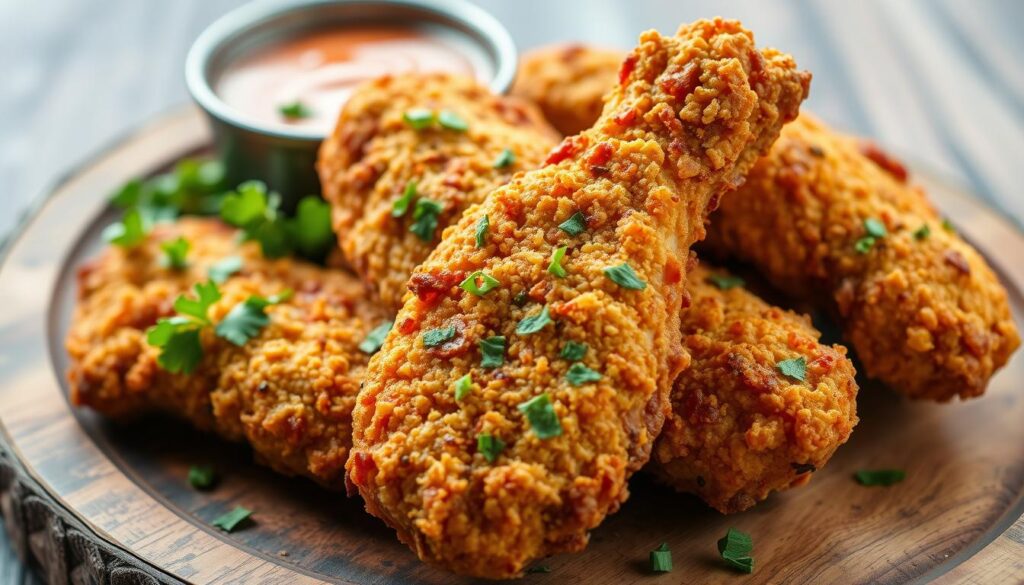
436	337
506	158
202	477
310	229
541	413
492	351
401	205
178	340
129	232
418	118
221	270
579	374
555	267
482	225
880	477
735	548
575	225
534	323
486	283
230	521
246	206
661	559
489	446
922	232
864	245
175	252
574	351
452	121
624	276
197	309
875	228
725	281
374	340
295	110
463	386
246	319
795	368
425	219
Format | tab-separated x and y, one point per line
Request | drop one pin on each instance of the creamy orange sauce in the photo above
321	69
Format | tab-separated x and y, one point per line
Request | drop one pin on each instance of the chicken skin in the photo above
832	218
288	392
537	449
740	428
468	141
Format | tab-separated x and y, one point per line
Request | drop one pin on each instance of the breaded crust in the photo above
373	154
289	391
690	115
922	309
739	428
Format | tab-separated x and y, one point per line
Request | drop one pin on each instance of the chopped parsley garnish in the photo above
534	323
875	228
489	446
192	187
479	283
948	226
245	320
555	267
206	295
795	368
735	548
253	210
401	205
506	158
541	413
310	229
228	522
482	225
922	233
223	269
520	299
418	118
202	477
463	386
879	477
295	110
492	351
575	225
624	276
726	281
864	245
373	341
129	232
178	336
661	559
175	252
436	337
580	374
452	121
425	219
574	351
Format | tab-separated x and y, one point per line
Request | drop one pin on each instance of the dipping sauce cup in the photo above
273	75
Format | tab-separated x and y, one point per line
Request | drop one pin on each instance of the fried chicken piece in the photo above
540	449
289	391
739	427
568	82
374	154
830	217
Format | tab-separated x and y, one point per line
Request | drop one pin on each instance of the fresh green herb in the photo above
295	110
401	205
880	477
579	374
220	271
425	219
541	413
922	232
735	548
228	522
624	276
539	569
178	336
726	281
175	252
574	351
795	368
436	337
452	121
310	230
418	118
129	232
374	340
246	319
864	245
506	158
463	386
948	226
482	225
875	228
202	477
489	446
192	187
198	309
255	211
486	283
534	323
575	225
492	351
555	267
661	559
129	195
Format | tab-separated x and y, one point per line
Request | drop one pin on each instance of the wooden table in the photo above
939	81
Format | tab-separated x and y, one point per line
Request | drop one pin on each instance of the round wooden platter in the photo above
92	502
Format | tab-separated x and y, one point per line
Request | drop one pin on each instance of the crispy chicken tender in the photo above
289	391
568	82
739	428
373	155
920	306
690	115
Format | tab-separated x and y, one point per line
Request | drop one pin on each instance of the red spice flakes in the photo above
957	260
682	83
628	65
362	466
601	154
430	288
673	273
407	326
883	160
625	118
567	149
539	291
671	121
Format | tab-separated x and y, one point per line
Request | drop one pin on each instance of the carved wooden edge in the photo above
58	546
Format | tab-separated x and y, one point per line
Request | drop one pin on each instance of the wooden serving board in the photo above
92	502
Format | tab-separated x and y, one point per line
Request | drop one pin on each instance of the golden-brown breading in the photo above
568	82
691	114
373	155
739	428
289	391
920	306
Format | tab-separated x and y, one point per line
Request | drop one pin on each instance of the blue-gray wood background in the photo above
939	81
